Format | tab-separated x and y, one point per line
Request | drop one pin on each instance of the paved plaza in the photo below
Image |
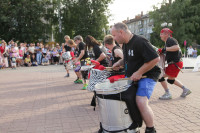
41	100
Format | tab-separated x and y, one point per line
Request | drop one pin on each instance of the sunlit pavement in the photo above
41	100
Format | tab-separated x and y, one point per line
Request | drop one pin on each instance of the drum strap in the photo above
93	102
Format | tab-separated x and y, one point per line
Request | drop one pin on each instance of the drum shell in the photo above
113	114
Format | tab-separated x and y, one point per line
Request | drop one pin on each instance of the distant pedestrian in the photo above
190	51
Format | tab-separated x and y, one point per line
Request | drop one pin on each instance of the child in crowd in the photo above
13	61
45	61
2	64
27	61
34	61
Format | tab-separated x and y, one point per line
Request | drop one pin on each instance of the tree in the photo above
184	15
84	17
24	21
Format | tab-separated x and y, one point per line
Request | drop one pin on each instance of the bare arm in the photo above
173	48
118	64
101	57
119	53
144	68
80	56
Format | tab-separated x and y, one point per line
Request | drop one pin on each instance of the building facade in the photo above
141	25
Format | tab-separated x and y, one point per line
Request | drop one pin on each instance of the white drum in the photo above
113	114
86	68
66	55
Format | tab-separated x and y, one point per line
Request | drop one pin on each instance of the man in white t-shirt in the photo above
190	51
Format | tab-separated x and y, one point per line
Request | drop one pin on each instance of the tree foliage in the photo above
24	21
83	17
185	19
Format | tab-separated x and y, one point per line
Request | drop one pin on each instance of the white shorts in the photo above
13	64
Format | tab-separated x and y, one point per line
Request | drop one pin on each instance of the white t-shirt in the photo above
190	51
31	49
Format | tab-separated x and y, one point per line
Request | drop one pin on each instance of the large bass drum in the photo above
114	114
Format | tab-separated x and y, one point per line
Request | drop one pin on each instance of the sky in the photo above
121	9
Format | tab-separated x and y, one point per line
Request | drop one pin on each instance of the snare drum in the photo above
161	64
114	114
97	76
66	55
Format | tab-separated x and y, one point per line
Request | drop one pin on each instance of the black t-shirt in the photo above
115	59
174	56
81	46
97	52
137	52
67	48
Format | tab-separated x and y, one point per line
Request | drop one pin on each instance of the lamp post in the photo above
165	24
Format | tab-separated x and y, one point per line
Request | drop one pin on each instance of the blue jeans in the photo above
39	58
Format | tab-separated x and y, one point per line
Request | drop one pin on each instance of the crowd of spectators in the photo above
14	54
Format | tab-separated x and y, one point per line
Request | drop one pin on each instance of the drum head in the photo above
86	68
112	88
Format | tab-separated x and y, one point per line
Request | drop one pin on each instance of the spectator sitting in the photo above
45	61
13	61
27	61
34	61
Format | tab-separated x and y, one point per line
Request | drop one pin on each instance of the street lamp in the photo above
165	24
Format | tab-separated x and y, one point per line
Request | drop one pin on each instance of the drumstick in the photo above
112	80
178	67
106	68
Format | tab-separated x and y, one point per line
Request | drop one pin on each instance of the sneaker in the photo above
84	86
166	96
185	93
150	130
76	80
67	75
79	81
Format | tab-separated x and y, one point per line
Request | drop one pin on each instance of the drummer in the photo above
66	49
140	59
82	57
116	51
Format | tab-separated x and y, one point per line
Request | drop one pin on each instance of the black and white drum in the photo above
114	114
66	55
97	76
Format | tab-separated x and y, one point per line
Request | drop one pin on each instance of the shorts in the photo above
13	64
172	70
78	68
145	87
